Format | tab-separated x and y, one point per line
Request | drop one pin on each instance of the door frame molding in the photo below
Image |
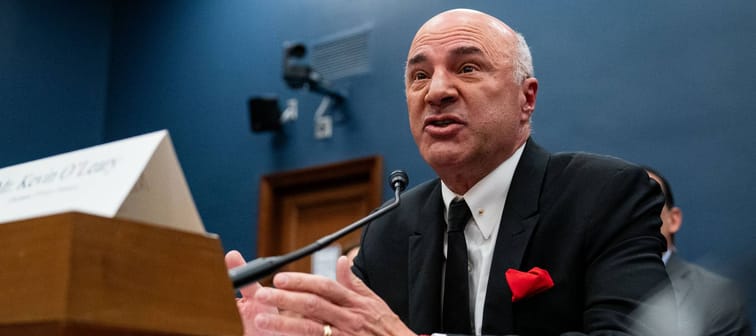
275	186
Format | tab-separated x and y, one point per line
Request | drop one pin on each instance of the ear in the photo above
529	89
675	219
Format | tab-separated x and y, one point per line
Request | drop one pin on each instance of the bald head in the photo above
501	41
465	17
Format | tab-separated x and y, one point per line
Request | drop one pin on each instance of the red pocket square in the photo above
524	284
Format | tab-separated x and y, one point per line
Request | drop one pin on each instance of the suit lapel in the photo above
517	223
425	264
678	275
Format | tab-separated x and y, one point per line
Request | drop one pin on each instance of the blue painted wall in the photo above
53	76
669	84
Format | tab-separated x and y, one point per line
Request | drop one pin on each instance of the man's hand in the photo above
347	306
248	306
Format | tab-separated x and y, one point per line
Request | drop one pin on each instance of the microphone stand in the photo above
257	269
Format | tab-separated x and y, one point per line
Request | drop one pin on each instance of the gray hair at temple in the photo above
522	61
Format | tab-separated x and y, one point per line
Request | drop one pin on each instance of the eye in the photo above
420	75
467	68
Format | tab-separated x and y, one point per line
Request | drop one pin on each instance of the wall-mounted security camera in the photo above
295	73
298	74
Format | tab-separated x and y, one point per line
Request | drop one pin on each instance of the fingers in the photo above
345	277
234	259
303	304
348	306
280	324
309	283
344	274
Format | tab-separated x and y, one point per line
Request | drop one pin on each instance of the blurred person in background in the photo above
708	304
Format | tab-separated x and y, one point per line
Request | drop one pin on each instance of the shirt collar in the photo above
487	197
667	254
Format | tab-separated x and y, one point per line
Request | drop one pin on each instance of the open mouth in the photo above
442	120
441	123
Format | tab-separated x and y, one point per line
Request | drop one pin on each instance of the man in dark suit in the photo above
542	244
707	303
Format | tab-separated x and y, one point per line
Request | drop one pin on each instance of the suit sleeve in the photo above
359	262
623	249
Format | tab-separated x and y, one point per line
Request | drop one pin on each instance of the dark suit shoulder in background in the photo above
708	304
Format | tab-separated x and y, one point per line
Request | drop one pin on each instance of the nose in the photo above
442	90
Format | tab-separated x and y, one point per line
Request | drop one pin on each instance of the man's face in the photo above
465	109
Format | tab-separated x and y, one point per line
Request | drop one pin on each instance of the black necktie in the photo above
456	294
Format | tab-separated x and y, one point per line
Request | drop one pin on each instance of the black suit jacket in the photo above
591	221
708	304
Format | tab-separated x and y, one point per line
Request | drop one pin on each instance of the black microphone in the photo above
261	267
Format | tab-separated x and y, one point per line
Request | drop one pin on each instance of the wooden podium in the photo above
77	274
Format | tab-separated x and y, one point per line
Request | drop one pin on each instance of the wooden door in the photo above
299	207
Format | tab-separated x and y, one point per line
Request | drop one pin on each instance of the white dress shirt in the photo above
486	201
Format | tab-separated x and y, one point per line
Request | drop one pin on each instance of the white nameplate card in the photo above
137	178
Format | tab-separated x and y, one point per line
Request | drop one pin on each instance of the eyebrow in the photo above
459	51
419	58
466	50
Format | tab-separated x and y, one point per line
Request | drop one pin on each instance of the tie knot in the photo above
459	215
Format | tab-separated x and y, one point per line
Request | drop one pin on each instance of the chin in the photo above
443	161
